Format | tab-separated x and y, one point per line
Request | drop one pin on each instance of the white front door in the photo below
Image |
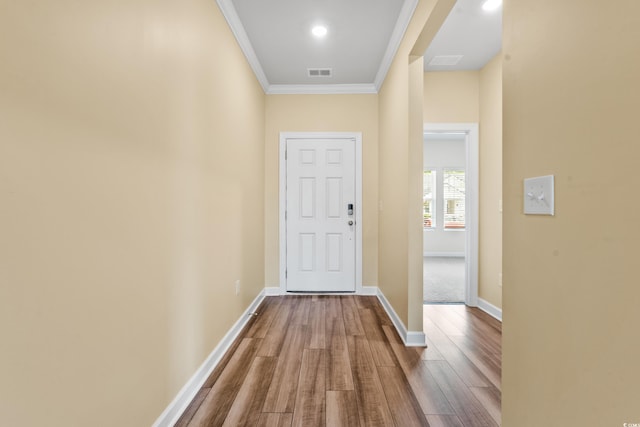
320	215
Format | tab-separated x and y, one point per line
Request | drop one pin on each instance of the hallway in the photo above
337	360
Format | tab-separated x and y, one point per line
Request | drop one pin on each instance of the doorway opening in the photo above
450	214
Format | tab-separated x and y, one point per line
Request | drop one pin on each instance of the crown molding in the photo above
323	89
230	14
402	24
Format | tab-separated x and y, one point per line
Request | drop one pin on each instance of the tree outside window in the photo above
454	198
429	198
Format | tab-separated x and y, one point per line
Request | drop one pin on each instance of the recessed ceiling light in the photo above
491	5
319	31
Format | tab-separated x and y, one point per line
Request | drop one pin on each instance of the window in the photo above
429	199
454	196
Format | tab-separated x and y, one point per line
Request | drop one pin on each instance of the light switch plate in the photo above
538	195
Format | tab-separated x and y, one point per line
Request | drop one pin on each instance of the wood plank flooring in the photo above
338	361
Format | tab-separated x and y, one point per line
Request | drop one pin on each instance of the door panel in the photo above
307	197
320	240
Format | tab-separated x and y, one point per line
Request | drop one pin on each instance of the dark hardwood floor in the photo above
338	361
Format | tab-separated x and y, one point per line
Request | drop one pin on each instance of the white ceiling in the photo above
468	31
362	39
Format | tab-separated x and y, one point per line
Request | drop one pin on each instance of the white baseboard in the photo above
490	309
415	339
272	291
410	338
369	290
444	254
184	397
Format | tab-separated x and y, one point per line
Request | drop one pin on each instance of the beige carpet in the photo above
444	280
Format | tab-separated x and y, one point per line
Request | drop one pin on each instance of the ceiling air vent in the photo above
319	72
445	60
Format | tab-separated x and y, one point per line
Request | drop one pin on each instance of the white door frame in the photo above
471	204
357	137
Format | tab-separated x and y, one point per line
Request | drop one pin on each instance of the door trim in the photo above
472	211
357	136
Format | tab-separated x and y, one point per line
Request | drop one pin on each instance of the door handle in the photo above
350	222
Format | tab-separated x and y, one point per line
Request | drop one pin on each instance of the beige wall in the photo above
400	228
571	294
323	113
490	217
452	97
415	216
393	193
125	217
476	97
